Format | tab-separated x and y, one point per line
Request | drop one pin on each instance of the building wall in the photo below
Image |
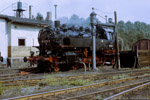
29	33
9	35
3	39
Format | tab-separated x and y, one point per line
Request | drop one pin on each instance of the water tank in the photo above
19	5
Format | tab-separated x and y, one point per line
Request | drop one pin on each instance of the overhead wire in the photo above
101	17
103	11
7	7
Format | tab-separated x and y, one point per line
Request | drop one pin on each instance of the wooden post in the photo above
117	44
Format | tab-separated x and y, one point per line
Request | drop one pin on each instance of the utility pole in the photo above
93	23
55	11
117	44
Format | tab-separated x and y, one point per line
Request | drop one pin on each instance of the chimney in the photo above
49	16
30	14
55	12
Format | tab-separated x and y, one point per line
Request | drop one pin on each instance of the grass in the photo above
146	67
50	80
98	97
120	76
101	68
2	89
53	81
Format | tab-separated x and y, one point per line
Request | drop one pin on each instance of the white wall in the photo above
29	33
3	39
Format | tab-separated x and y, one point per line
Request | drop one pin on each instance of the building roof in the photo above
25	20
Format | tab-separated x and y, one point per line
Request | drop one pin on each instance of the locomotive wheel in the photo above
49	67
25	59
31	63
56	68
75	67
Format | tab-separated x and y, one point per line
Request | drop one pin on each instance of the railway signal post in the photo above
93	23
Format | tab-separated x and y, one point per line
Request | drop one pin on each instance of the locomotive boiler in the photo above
63	48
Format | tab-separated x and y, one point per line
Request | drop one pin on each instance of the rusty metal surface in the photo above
143	44
143	52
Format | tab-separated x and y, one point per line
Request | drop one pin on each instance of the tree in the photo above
64	20
74	20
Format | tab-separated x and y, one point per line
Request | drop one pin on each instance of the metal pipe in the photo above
93	23
94	52
84	66
30	15
89	67
55	11
106	18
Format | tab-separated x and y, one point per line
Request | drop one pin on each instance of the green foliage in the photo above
50	80
99	97
120	76
132	32
80	82
2	89
53	81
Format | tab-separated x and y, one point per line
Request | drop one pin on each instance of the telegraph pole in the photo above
93	23
117	44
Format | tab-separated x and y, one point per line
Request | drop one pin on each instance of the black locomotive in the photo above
62	48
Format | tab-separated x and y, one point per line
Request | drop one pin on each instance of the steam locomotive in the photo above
63	48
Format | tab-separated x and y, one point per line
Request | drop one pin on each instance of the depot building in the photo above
18	36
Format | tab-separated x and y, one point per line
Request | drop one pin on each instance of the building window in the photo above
21	42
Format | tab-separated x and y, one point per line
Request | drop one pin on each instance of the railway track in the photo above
8	70
116	96
95	95
64	93
29	80
34	81
19	75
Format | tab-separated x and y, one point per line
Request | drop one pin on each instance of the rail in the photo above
57	92
127	91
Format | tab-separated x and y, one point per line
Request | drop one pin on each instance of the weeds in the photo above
53	81
120	76
98	97
2	89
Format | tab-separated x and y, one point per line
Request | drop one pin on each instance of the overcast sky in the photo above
127	10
